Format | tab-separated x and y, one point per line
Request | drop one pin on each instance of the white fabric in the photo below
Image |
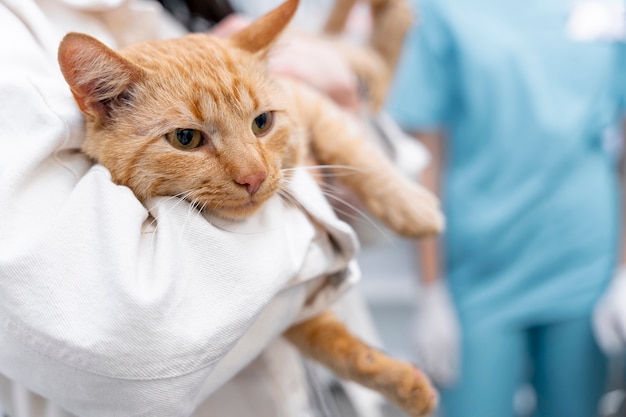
270	386
436	334
105	311
609	318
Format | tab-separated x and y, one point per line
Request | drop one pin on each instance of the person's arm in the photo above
436	330
109	307
428	248
139	307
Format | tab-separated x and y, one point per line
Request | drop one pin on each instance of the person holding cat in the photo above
142	284
109	308
521	104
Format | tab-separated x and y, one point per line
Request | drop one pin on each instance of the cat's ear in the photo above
259	36
95	73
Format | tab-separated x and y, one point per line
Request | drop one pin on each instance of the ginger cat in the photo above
202	114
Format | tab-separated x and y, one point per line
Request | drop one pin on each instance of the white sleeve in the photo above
112	308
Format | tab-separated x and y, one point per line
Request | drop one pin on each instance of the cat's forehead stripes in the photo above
240	88
211	76
227	78
235	82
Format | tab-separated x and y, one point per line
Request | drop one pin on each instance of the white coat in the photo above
105	311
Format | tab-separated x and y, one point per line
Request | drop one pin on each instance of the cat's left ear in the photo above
261	34
95	73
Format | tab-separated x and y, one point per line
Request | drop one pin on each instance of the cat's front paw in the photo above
409	210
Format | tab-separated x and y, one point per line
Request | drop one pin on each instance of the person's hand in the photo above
313	60
319	63
436	334
609	316
230	24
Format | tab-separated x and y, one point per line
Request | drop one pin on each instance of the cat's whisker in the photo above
180	196
203	211
160	203
337	170
308	167
190	208
357	214
285	192
337	189
330	192
211	203
287	196
184	195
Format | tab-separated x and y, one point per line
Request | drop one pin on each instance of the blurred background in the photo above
390	286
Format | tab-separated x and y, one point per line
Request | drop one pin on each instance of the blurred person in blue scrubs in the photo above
520	104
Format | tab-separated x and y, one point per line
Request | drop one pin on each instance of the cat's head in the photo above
197	116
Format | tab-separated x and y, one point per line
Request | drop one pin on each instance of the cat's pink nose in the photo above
253	181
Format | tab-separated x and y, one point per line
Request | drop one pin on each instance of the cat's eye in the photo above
262	123
185	139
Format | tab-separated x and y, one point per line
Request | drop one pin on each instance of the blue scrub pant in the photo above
561	361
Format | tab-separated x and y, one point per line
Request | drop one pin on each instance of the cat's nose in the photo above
253	181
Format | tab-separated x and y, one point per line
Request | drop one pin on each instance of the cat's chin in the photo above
239	212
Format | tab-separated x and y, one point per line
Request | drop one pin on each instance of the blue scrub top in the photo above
529	190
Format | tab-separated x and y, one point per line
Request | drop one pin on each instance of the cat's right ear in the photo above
95	73
261	34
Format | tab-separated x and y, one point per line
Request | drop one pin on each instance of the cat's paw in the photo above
409	210
400	382
422	399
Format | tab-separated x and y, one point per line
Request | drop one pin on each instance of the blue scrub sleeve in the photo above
419	99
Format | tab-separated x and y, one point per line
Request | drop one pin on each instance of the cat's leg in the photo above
375	61
336	22
337	140
391	20
404	206
326	340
